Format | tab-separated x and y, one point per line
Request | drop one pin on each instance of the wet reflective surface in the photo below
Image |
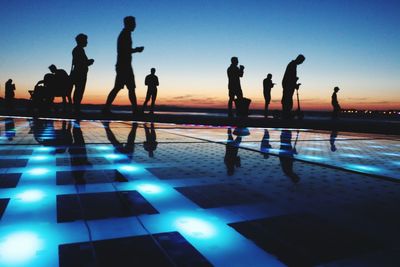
90	193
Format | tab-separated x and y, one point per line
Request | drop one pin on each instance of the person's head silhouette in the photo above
336	89
52	68
81	40
153	70
130	23
269	76
300	59
234	61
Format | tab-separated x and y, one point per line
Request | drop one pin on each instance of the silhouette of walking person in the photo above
119	147
332	140
10	130
335	103
123	67
152	82
79	70
289	84
9	95
235	89
267	86
150	145
265	145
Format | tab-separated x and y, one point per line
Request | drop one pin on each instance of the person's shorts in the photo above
125	77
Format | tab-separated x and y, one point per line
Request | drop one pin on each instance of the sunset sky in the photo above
353	44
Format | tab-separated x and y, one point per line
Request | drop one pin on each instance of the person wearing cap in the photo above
335	103
79	69
289	84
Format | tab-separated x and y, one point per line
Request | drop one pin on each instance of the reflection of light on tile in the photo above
346	155
311	148
309	157
195	227
390	154
149	188
43	148
39	158
363	168
31	195
349	148
103	147
112	156
19	247
128	168
38	171
378	147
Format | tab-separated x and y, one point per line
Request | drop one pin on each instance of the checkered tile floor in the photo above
93	193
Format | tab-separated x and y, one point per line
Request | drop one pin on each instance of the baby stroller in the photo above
52	85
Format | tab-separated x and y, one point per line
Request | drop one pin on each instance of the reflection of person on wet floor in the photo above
123	67
289	84
9	126
79	69
265	145
150	145
235	89
9	95
152	82
78	153
232	159
267	86
286	155
335	103
119	147
332	140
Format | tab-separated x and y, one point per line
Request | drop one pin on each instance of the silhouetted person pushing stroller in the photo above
152	82
335	103
289	84
235	89
123	67
79	69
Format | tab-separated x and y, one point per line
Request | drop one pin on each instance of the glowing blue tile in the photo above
19	248
312	149
31	195
349	148
38	171
40	158
113	156
309	157
149	188
44	149
104	147
195	227
346	155
378	147
363	168
128	168
390	154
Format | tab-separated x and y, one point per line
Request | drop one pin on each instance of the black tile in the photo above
166	249
305	240
101	206
89	177
9	180
219	195
16	152
13	163
3	205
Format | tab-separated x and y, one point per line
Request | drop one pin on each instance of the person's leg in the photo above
78	94
148	95
153	100
230	102
132	98
118	85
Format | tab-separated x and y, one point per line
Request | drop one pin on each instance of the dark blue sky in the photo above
352	44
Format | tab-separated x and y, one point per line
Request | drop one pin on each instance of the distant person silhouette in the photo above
123	67
286	155
9	95
152	82
267	86
231	158
335	103
265	145
150	145
235	90
289	84
332	140
79	69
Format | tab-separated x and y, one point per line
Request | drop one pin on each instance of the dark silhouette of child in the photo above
123	67
9	95
152	82
289	84
335	103
235	90
267	86
79	69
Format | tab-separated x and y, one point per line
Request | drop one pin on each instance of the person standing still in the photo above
152	82
9	95
79	70
335	103
267	86
235	89
289	84
123	67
